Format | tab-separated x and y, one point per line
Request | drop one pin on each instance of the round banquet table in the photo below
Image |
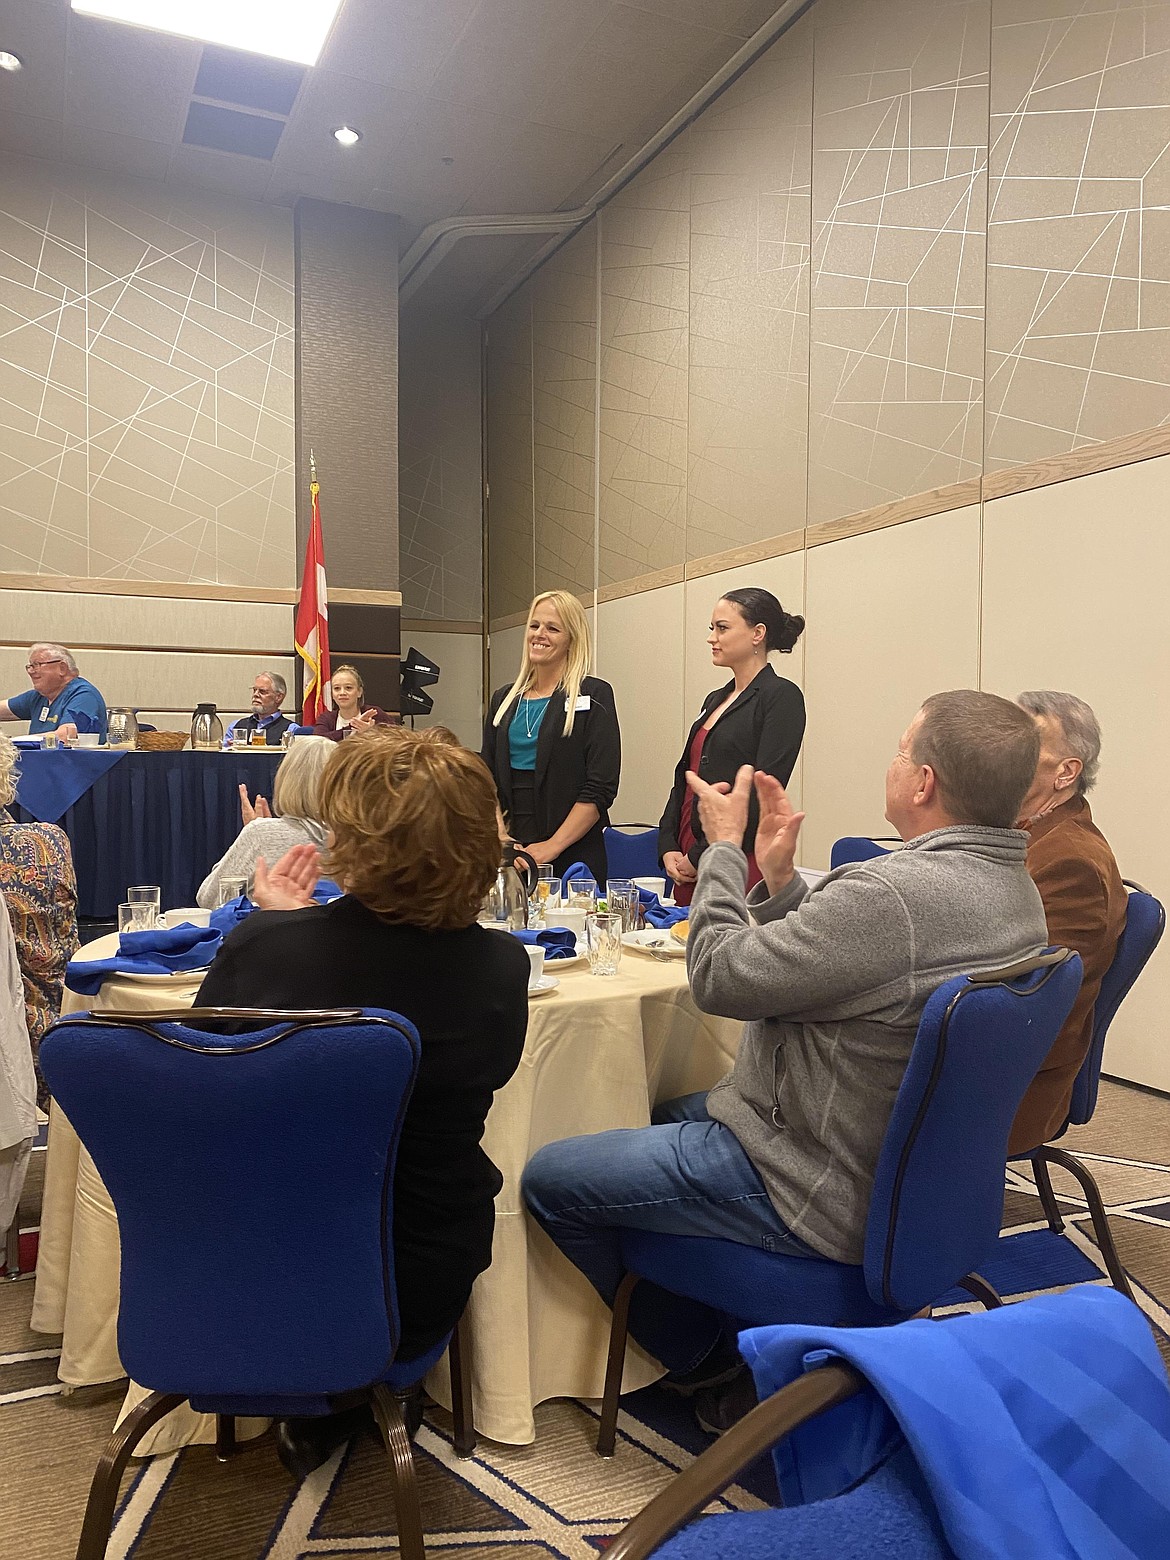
599	1052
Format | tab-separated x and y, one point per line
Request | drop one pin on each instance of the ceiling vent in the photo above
229	130
248	80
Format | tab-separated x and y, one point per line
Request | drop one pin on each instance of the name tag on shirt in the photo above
45	713
581	704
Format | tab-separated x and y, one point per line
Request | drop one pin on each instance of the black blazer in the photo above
764	728
466	992
582	767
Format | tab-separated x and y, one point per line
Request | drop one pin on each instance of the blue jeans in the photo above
684	1175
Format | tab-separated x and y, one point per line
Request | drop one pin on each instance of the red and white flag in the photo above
311	633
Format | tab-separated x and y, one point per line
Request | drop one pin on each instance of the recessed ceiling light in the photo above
10	61
283	29
345	135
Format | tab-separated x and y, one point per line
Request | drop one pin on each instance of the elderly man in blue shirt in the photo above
268	689
60	699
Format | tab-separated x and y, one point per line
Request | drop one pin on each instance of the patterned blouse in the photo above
40	890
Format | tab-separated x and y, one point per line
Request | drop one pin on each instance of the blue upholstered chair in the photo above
889	1516
1145	921
231	1159
632	854
860	847
937	1203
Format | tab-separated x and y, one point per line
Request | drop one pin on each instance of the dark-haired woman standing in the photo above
757	718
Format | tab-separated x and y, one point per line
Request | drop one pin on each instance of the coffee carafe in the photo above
507	898
206	728
121	728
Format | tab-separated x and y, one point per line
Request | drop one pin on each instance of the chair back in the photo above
937	1202
634	853
234	1162
856	847
1145	921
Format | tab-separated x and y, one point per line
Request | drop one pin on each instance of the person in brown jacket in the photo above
1084	898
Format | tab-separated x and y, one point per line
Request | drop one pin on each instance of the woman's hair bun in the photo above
782	629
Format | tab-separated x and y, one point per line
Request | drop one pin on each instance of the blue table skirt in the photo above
162	818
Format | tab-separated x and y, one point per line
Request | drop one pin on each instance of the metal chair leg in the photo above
1084	1178
388	1413
1047	1196
12	1248
614	1365
982	1290
103	1492
225	1437
458	1359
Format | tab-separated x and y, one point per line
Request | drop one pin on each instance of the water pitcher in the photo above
121	728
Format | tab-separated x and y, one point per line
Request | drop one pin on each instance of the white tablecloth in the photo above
599	1052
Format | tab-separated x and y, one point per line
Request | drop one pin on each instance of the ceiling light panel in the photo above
283	29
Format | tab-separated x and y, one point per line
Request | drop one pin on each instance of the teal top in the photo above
523	731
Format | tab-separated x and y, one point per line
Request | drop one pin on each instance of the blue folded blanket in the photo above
558	942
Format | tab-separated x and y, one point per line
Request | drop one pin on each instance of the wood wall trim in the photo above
1086	462
441	626
360	598
78	585
641	583
750	552
512	620
181	590
935	501
136	649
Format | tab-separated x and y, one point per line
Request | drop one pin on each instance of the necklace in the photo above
527	702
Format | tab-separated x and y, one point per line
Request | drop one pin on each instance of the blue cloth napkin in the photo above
170	952
48	783
558	942
655	913
1042	1428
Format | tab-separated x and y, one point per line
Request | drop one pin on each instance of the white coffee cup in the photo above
87	739
536	963
655	885
574	920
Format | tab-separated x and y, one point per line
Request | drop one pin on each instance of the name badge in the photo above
45	713
581	704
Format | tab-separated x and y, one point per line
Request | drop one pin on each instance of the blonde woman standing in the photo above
552	743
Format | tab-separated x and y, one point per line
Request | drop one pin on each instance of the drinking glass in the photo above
147	894
259	738
239	738
548	874
583	894
621	898
49	739
604	935
231	888
136	916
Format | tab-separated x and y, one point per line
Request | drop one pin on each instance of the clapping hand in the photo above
723	808
290	883
249	809
776	833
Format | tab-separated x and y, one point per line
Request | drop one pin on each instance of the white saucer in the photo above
656	941
544	985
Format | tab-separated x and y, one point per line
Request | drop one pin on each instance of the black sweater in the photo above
764	728
466	994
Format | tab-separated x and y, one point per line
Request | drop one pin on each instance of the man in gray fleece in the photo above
831	983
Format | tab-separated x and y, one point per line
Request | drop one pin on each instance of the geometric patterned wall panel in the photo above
564	422
146	381
1078	273
747	432
509	458
644	250
899	203
440	477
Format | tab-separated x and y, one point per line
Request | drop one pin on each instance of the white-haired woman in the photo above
552	741
40	891
297	821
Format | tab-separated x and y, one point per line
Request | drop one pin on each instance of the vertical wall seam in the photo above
596	432
983	399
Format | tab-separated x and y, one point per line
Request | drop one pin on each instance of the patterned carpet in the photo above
508	1503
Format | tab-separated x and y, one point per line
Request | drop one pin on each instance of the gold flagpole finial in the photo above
312	466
